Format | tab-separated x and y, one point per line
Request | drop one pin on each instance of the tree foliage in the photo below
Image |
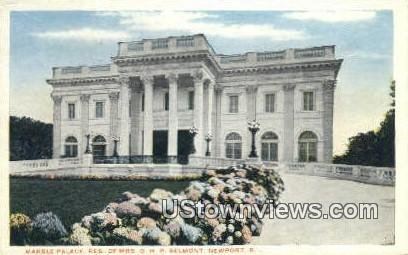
29	139
374	148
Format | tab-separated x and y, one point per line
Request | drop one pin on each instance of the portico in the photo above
155	105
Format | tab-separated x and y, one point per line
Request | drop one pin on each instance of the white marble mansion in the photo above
154	91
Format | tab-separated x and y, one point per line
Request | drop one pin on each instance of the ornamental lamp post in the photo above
193	132
208	139
253	127
88	147
115	146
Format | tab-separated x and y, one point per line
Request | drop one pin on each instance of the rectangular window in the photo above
308	101
99	109
71	111
166	101
233	104
269	102
191	100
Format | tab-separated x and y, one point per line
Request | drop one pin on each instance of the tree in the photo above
374	148
29	139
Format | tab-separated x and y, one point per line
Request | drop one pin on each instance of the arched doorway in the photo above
308	147
99	146
71	147
233	146
269	141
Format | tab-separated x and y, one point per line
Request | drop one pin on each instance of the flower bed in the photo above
135	220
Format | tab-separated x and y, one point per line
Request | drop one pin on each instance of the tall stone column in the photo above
84	122
135	128
56	132
198	112
218	132
124	116
148	116
114	116
288	133
328	103
173	118
210	90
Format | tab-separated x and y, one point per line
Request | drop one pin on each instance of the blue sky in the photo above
41	40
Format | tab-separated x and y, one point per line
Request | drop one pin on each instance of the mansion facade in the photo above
155	90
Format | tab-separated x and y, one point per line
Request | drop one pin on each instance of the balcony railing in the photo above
141	159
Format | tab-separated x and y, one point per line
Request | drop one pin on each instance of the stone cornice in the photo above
205	56
84	80
285	68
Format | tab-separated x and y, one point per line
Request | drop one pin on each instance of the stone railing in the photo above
42	164
172	44
366	174
82	71
283	56
212	161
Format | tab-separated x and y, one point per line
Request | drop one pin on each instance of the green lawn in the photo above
72	199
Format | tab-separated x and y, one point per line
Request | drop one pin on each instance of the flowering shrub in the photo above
20	228
134	220
47	227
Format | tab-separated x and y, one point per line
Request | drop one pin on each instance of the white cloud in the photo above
84	34
200	22
332	16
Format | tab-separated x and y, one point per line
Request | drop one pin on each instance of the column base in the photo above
172	159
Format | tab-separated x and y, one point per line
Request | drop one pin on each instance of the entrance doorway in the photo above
160	142
184	145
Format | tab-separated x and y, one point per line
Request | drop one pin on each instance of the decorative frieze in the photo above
81	81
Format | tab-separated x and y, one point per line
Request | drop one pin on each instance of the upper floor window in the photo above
269	102
99	109
191	100
308	101
166	101
71	111
233	104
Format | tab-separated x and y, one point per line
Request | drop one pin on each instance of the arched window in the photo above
269	146
308	147
71	147
233	146
99	146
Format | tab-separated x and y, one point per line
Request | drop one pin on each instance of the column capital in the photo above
123	80
289	86
57	99
114	96
251	88
198	76
85	98
209	83
329	84
172	77
219	89
147	79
